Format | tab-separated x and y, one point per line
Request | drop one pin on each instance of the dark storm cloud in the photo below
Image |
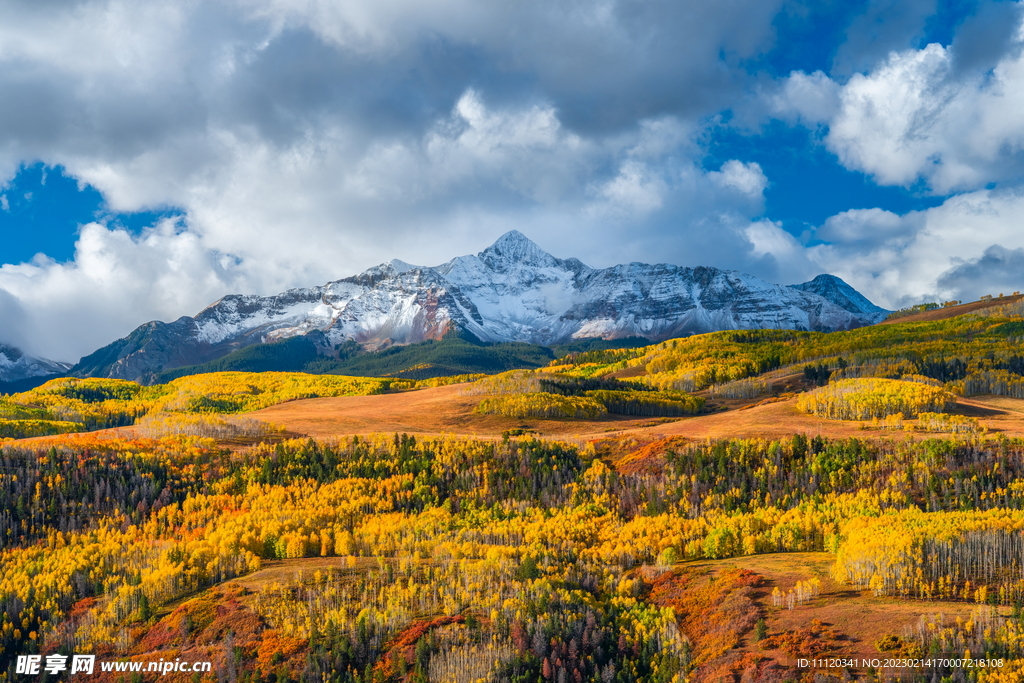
601	71
91	83
298	81
998	270
884	26
987	37
602	66
648	59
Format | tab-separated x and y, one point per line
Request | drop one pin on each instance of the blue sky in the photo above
156	156
43	207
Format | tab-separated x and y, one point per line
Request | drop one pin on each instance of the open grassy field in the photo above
446	410
424	411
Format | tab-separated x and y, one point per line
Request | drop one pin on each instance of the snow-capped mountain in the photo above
16	366
838	292
511	291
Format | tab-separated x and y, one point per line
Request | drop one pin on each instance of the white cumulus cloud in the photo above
63	310
920	256
746	178
920	117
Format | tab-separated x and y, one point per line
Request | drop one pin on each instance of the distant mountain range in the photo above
16	368
513	291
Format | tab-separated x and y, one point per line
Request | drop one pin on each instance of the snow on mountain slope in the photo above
15	365
838	292
511	291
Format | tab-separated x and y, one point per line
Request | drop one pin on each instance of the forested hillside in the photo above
204	534
972	354
530	550
454	355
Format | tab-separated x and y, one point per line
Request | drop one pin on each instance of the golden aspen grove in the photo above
569	524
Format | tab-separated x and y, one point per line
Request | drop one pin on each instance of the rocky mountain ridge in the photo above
16	366
511	291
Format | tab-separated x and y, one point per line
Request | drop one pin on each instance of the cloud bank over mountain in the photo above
304	141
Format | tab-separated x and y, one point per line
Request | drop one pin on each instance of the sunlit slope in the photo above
71	404
992	307
967	350
967	356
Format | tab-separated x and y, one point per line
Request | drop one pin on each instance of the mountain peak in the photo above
513	237
16	366
401	266
836	290
513	291
516	247
826	278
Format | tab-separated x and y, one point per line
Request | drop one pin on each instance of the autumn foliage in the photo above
71	404
516	559
542	404
864	399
